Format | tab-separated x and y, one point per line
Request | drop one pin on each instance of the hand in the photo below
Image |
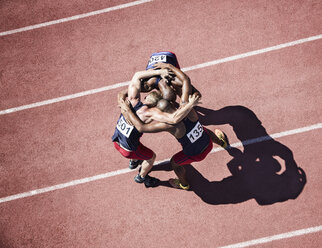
160	65
164	73
167	75
194	99
197	93
124	105
121	95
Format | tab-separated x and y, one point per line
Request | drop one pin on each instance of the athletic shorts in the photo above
181	159
141	153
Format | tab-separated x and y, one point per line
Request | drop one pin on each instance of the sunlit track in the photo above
123	171
275	237
73	18
195	67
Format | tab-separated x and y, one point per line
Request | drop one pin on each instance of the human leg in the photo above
147	156
147	166
218	137
134	160
180	171
180	159
134	163
143	176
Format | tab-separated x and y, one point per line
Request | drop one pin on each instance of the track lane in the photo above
18	14
73	138
97	215
93	49
185	69
89	216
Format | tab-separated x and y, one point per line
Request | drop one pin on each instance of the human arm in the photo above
175	117
181	76
153	127
122	95
134	88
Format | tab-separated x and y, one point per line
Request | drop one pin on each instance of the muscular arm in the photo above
182	79
134	88
153	127
175	117
122	95
186	83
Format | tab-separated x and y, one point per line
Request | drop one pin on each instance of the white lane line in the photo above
124	171
118	85
273	136
63	98
256	52
75	17
275	237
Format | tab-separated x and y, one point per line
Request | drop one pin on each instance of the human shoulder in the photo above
142	113
193	116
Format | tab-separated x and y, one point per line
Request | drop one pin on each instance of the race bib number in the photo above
124	127
195	133
157	58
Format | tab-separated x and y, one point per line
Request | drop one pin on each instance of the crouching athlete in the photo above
126	137
196	140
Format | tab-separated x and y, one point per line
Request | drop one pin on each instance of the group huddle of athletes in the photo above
163	81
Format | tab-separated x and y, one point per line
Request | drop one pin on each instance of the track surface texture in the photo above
62	183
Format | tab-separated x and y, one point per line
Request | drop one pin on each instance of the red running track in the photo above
70	140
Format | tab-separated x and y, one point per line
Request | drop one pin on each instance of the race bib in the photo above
124	127
195	133
157	58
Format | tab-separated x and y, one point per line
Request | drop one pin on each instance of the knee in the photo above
174	165
172	162
151	160
154	156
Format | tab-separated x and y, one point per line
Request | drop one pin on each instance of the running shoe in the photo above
147	180
220	135
134	163
175	183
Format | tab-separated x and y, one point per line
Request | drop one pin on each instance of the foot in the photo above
222	137
175	183
147	180
134	163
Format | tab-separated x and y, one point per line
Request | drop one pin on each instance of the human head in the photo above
167	92
169	95
165	106
147	84
152	98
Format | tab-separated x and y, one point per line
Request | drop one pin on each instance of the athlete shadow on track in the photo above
256	171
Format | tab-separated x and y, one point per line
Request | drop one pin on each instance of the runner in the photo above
195	139
126	137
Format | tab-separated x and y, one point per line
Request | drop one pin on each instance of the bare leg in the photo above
147	166
180	172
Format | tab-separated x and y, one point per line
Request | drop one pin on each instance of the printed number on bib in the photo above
195	133
158	58
124	127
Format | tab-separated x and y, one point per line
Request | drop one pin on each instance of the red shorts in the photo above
141	153
181	159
